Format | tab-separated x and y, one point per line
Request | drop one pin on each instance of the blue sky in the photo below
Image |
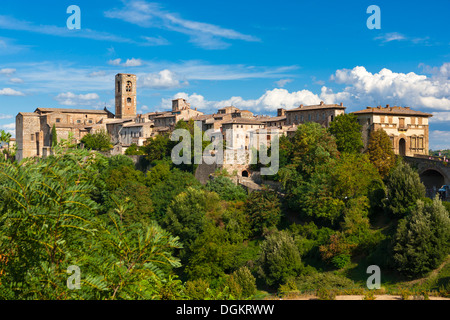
256	55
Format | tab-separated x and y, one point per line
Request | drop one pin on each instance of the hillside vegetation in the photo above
163	235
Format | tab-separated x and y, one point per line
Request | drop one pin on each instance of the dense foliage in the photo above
160	234
100	141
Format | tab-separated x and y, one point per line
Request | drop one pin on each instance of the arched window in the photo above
129	86
128	100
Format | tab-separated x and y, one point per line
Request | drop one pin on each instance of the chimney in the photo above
321	103
301	106
342	104
387	106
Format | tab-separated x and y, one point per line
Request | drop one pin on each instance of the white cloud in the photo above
155	41
133	63
164	79
439	140
407	89
115	62
16	80
391	36
10	23
362	88
71	99
270	101
6	116
7	71
440	117
282	82
151	15
97	74
10	127
129	63
10	92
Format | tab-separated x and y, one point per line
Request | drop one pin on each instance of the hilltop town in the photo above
408	129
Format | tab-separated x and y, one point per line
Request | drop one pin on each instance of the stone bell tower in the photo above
125	96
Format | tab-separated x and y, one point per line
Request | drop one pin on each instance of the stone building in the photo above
125	96
181	110
34	129
323	114
407	128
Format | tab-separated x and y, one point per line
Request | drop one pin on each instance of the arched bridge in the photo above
434	172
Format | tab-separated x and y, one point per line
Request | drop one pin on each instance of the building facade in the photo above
323	114
407	128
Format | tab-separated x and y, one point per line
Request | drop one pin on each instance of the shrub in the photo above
323	280
263	210
341	260
326	294
279	259
226	189
369	295
404	188
246	280
196	289
423	239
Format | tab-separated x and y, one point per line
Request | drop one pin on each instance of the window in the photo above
420	142
296	117
118	86
302	118
381	119
90	121
58	120
309	117
129	87
420	121
413	142
32	137
128	100
78	121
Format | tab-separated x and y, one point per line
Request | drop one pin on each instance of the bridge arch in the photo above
433	179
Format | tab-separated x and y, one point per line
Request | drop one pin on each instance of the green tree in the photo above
312	147
158	148
263	209
226	189
134	199
165	191
279	259
422	240
380	152
54	136
347	131
49	222
186	215
246	280
134	150
404	188
100	141
212	254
